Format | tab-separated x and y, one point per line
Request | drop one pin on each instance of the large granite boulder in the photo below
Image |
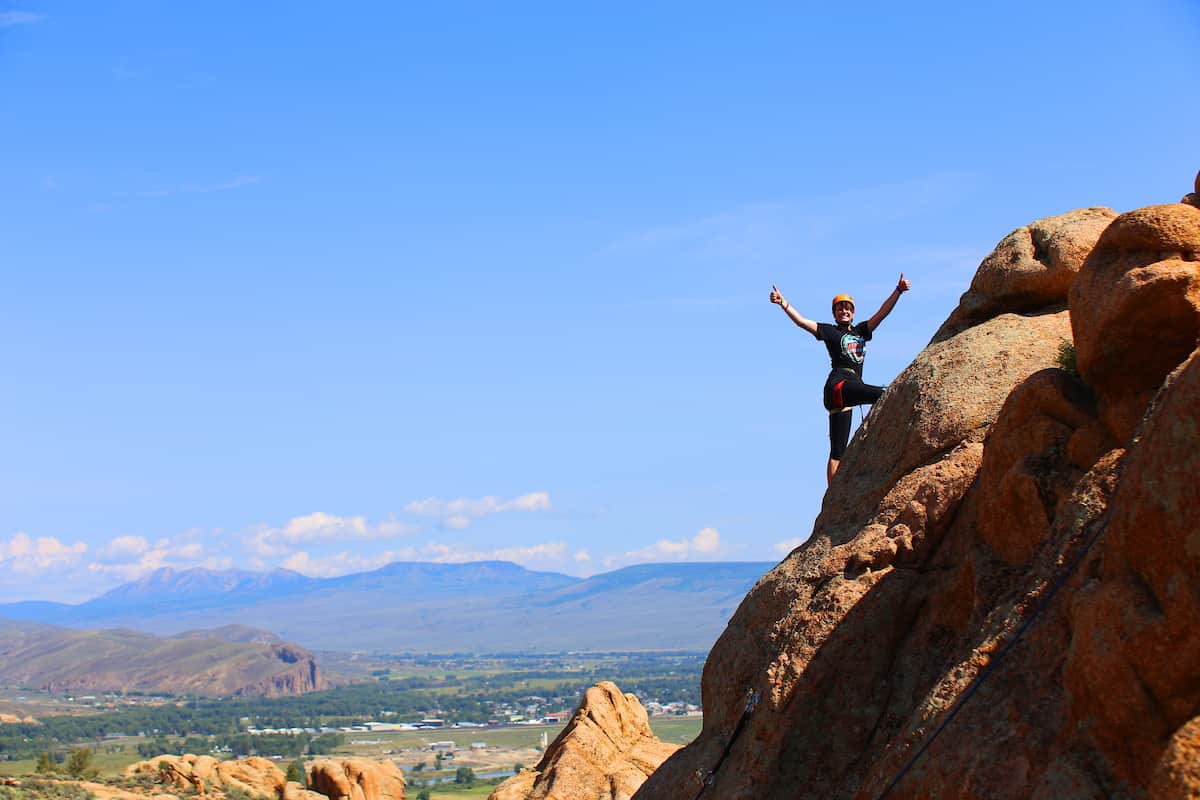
1031	269
604	753
356	779
1133	667
999	597
205	775
1135	308
328	779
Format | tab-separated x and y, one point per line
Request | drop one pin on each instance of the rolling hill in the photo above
38	656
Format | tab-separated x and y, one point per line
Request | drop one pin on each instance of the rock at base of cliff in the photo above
604	753
356	779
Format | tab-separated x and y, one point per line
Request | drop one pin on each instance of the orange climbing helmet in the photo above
843	298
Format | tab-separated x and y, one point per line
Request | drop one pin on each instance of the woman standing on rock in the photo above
847	346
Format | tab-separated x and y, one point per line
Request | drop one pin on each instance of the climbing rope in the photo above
710	777
986	672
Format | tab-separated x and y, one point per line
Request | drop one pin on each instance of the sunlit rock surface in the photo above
1007	564
604	753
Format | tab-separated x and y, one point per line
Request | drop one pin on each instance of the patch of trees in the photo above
77	763
242	745
455	697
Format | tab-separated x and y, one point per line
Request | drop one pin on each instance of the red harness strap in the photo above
837	394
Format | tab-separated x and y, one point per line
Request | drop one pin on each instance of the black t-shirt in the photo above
847	346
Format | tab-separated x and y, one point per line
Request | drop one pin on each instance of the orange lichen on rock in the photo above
1177	775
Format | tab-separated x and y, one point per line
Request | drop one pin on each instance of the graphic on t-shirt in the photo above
854	348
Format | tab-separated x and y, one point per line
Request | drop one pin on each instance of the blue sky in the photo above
326	286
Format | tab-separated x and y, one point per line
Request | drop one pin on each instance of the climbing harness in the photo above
986	672
710	777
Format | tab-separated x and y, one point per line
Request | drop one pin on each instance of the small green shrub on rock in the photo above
1066	359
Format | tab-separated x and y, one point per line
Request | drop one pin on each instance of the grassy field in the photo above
677	730
455	793
385	743
504	747
107	759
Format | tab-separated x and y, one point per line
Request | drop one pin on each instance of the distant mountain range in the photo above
232	661
407	607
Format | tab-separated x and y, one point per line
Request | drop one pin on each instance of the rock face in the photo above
329	779
1031	269
1001	595
356	779
1135	309
204	774
604	753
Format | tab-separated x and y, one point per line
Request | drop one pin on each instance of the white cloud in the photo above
706	543
123	547
788	545
458	554
190	552
458	514
551	551
10	18
81	572
337	564
582	556
319	526
546	554
128	558
26	555
390	528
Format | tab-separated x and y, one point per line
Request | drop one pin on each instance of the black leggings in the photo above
843	390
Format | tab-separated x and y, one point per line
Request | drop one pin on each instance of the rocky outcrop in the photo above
1001	595
1030	270
328	778
1135	309
356	779
205	774
604	753
297	673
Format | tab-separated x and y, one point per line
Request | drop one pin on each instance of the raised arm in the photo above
778	299
901	287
